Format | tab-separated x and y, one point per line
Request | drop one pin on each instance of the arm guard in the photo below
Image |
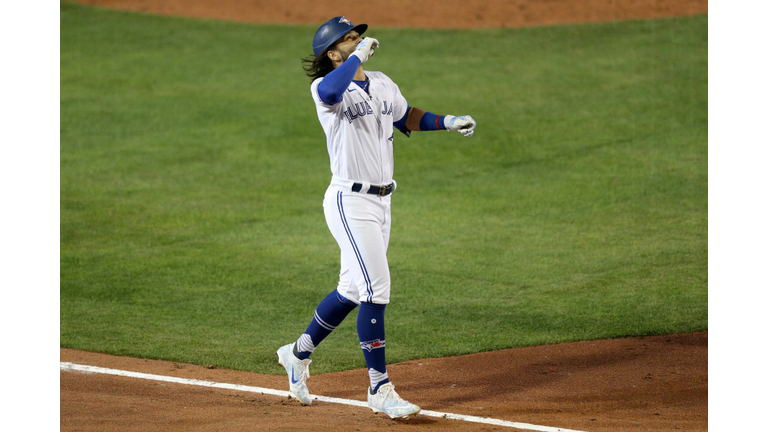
416	119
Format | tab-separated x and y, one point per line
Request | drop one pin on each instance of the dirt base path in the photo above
424	14
649	383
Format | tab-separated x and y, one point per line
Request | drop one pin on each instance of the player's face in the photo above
347	44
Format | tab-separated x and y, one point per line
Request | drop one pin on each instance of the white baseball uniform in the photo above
360	135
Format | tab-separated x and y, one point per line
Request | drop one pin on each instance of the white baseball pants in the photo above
361	224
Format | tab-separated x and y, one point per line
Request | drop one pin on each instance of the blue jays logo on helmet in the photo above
332	30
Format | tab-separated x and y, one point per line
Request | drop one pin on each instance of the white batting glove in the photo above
464	124
365	47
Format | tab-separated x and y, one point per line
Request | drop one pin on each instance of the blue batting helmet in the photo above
332	30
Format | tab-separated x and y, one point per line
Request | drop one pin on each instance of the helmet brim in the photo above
360	29
328	40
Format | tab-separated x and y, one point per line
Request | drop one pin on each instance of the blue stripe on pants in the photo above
367	278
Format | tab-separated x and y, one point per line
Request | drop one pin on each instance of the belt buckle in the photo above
385	190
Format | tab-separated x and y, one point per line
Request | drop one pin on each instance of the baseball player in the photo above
359	112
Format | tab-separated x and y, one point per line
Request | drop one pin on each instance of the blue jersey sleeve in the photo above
400	124
332	87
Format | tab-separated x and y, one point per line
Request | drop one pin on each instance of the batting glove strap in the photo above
365	48
463	124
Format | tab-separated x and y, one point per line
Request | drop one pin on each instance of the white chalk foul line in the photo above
486	420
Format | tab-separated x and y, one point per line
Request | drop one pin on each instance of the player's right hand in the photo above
365	49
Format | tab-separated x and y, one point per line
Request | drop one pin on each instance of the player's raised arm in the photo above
331	89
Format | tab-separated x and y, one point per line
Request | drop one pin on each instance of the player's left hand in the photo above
463	124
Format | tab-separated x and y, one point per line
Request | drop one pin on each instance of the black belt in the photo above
375	190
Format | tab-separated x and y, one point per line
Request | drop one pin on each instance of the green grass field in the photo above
193	169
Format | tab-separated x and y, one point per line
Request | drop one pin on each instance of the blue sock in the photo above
328	315
370	330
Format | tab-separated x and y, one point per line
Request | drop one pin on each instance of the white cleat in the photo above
387	400
298	372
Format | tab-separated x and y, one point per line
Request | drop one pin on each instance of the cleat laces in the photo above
388	392
302	371
305	374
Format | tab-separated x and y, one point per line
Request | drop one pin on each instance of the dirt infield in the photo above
425	13
650	383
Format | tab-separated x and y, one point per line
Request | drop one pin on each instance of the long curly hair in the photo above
318	66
